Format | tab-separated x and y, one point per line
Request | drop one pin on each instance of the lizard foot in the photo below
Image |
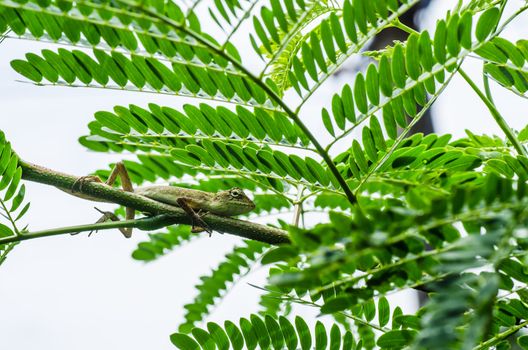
78	184
107	216
199	225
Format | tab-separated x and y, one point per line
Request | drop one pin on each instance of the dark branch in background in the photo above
386	38
174	215
425	124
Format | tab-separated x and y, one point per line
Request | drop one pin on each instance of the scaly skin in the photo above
224	203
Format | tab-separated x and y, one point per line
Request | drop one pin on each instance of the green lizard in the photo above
194	202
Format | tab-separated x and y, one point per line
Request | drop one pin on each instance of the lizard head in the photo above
232	202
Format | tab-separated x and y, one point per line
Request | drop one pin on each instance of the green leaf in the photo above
321	339
317	52
328	43
398	66
514	269
338	33
234	334
5	231
275	333
412	57
219	336
453	45
360	94
261	331
27	70
349	20
279	14
204	339
348	103
48	72
464	30
372	85
304	333
184	342
279	254
249	334
385	76
369	310
396	339
486	23
261	34
327	122
383	311
339	303
522	341
440	38
309	60
335	338
348	341
338	111
288	332
360	15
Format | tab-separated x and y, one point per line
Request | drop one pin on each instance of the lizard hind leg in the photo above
120	171
109	216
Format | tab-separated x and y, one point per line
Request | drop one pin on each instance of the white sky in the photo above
80	293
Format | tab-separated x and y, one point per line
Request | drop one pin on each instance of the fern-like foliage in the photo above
161	242
344	266
212	288
265	333
397	211
507	63
12	203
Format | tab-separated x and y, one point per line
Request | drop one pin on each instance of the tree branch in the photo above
104	193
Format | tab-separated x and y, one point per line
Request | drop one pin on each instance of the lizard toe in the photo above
79	183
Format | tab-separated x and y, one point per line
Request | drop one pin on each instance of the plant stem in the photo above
402	26
298	209
9	217
149	223
214	138
499	337
106	193
244	17
487	89
499	119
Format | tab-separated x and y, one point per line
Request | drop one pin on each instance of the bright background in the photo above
77	293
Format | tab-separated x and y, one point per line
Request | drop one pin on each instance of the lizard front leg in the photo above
198	225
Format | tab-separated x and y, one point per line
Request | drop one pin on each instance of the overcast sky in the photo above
69	293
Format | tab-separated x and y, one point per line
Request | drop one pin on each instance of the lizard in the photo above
194	202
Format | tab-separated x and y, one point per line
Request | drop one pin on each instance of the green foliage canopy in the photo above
445	217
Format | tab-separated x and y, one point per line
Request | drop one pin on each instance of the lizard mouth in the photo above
243	207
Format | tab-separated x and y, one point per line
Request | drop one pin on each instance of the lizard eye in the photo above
235	193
